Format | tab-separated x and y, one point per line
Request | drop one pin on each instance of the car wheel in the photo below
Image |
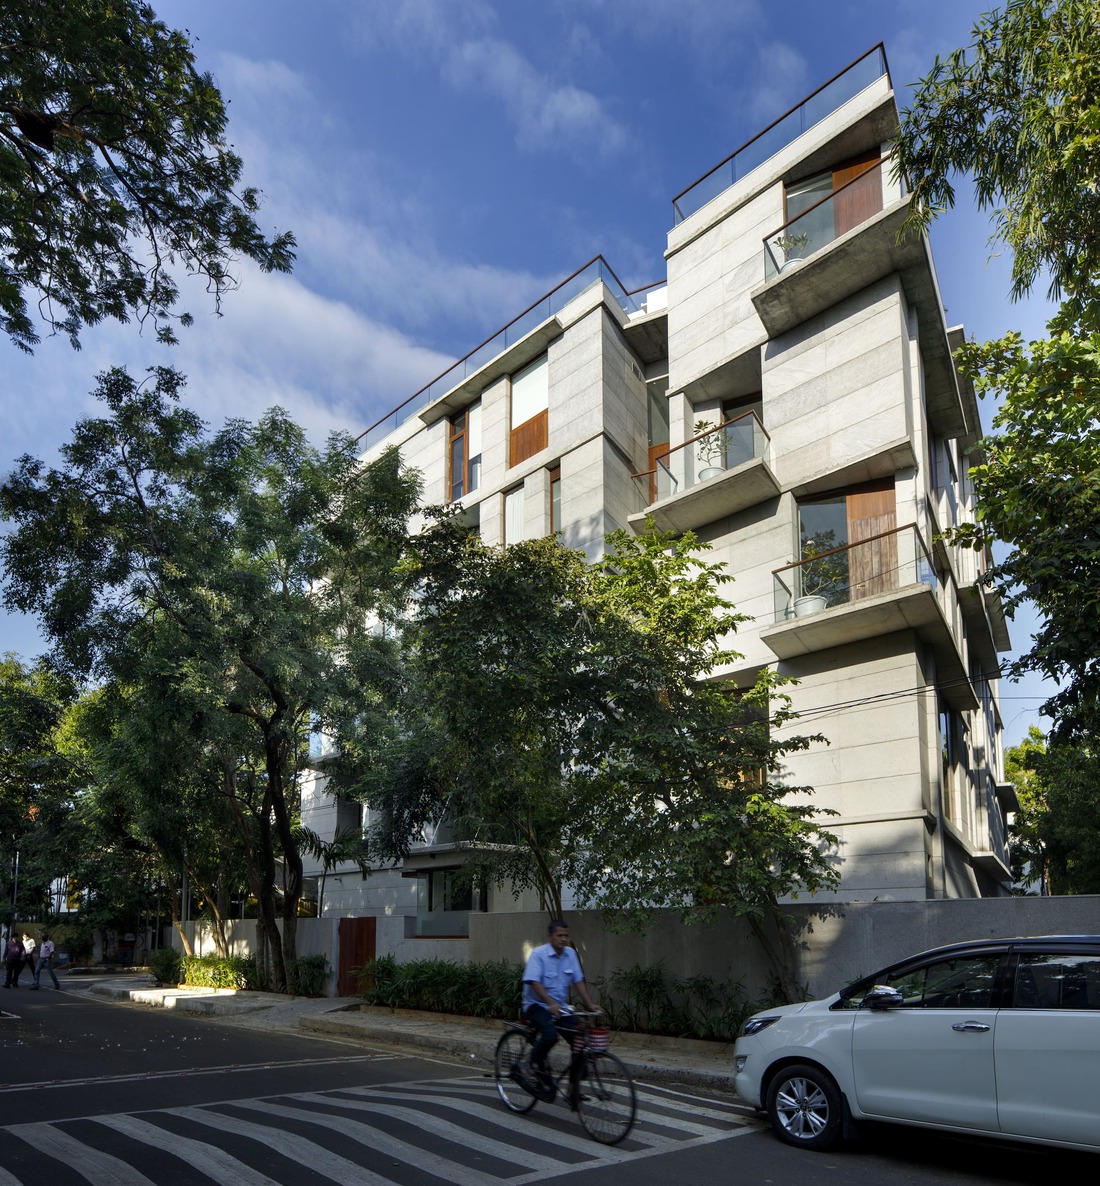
804	1107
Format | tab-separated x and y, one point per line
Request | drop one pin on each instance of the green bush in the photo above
643	1000
646	1001
306	975
211	971
164	963
473	990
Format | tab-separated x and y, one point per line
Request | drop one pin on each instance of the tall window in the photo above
530	411
465	451
555	500
837	566
513	515
859	201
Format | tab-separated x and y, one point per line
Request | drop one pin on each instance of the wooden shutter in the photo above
872	566
863	198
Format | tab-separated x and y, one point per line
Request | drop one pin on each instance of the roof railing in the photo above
828	97
584	277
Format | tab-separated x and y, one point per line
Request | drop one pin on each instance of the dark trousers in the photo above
15	966
548	1028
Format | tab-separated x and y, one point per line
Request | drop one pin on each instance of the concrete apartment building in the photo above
789	395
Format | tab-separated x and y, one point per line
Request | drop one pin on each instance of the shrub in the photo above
164	963
211	971
474	990
644	1000
639	999
306	975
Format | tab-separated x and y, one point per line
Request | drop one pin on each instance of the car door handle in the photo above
970	1027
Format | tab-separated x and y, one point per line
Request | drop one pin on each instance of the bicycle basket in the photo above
598	1039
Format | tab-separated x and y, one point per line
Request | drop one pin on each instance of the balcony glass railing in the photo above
838	212
593	272
881	563
436	923
703	457
777	135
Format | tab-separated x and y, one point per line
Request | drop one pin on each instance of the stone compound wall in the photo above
837	943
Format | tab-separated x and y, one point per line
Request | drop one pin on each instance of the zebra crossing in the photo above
431	1131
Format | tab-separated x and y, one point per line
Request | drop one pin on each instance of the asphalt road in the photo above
123	1096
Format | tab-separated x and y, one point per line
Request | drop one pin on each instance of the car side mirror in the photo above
882	997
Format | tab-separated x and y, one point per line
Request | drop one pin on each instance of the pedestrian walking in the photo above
29	944
14	955
45	960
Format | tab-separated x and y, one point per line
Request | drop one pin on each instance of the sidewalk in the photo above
654	1060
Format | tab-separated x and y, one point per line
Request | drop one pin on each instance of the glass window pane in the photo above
962	983
530	392
513	515
1046	981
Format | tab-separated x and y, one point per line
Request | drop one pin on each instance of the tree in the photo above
1030	865
234	575
1019	110
114	171
1058	825
347	847
35	775
563	717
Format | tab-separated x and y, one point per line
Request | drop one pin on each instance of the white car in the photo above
997	1038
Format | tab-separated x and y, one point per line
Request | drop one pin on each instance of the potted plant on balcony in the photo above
710	449
823	575
793	248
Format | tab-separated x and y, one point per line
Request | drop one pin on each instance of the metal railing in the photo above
596	270
882	563
708	455
821	223
828	97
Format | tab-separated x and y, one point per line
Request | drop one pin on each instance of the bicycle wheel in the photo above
606	1102
512	1048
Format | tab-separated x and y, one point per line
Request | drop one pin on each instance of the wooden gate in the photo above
357	941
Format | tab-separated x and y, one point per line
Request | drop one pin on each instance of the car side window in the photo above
965	982
1057	981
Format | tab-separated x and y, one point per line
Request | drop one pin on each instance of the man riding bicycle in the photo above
552	970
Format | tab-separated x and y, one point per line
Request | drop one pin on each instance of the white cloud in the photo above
547	114
782	78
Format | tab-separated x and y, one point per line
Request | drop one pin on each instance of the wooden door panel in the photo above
872	566
357	947
863	198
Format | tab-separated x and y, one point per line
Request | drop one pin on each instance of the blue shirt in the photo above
555	972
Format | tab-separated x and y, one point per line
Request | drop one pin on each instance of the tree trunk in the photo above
780	953
174	907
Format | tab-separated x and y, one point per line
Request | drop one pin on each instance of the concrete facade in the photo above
842	359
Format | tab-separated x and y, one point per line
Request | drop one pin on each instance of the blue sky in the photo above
445	162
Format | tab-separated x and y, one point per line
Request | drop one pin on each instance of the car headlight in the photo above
755	1024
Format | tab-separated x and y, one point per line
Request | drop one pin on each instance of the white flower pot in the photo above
812	603
710	471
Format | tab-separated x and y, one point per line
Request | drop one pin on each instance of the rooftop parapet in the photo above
818	105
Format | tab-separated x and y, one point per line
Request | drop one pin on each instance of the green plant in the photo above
792	246
210	971
164	963
439	986
824	571
711	447
306	975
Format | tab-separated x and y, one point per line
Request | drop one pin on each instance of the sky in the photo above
443	163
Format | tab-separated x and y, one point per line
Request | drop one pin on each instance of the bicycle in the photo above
603	1096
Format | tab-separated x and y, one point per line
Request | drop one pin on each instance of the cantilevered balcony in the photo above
714	474
867	589
839	246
